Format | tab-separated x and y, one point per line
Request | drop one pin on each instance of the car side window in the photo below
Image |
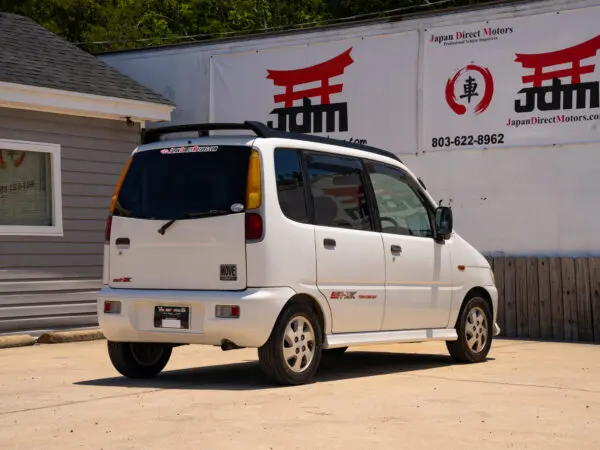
290	184
338	191
401	209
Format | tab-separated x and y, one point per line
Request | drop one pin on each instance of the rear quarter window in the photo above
290	185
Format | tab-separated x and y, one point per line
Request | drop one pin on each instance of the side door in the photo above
350	260
417	267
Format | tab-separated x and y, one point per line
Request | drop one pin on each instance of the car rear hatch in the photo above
178	219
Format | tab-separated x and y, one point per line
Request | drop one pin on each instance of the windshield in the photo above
168	184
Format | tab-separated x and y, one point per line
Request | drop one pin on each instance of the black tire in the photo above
139	360
271	354
460	350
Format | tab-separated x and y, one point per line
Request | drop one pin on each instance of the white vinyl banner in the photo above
362	90
514	82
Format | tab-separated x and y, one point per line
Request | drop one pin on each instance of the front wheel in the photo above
139	360
292	354
474	329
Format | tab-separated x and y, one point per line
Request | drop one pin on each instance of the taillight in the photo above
253	187
112	307
108	229
254	226
254	222
113	202
227	311
115	196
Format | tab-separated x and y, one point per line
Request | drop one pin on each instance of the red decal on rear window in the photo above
192	149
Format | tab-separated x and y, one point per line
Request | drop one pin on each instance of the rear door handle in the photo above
122	242
396	249
329	243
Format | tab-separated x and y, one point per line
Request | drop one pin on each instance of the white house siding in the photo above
51	282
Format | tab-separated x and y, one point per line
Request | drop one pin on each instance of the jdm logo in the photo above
471	87
311	114
562	71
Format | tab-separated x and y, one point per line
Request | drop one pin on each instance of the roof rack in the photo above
154	134
261	130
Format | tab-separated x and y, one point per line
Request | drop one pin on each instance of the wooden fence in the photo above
548	298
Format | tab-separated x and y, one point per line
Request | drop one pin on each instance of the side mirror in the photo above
443	222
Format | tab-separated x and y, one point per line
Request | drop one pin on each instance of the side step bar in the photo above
389	337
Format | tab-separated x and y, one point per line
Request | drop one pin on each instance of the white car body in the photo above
364	293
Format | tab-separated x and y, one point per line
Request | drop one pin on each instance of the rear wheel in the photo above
139	360
474	329
292	354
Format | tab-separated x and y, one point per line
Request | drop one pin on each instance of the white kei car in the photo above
289	243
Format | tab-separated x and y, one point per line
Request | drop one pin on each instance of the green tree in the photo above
120	24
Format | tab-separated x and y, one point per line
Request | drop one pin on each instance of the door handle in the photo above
122	242
396	249
329	243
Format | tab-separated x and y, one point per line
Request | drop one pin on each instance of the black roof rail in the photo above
331	141
261	130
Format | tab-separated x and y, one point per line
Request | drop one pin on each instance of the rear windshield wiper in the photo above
192	215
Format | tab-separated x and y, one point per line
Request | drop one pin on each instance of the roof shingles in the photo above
31	55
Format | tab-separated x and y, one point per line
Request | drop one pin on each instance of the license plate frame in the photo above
172	317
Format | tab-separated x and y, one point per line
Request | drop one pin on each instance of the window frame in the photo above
369	191
56	229
414	185
363	177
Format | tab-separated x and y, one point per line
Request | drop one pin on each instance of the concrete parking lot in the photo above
528	395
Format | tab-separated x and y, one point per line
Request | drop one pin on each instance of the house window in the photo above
30	188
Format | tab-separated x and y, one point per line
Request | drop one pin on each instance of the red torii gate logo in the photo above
312	115
560	95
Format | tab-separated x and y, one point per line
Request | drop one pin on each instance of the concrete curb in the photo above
60	337
23	340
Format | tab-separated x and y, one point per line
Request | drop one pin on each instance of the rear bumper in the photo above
259	309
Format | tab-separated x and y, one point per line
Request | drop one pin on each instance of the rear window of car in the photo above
170	183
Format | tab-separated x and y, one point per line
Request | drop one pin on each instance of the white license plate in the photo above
173	317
